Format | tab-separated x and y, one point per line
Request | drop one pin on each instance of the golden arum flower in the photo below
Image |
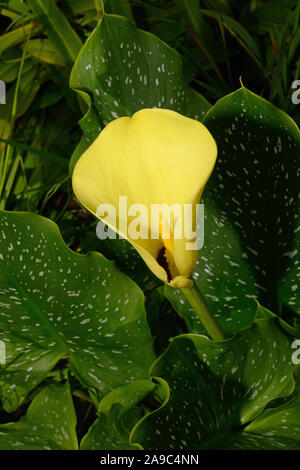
157	158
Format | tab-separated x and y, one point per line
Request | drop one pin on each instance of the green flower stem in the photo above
209	322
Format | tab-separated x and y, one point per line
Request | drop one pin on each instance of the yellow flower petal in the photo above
156	157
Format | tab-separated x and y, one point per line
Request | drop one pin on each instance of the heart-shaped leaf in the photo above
49	424
122	69
251	234
216	388
55	304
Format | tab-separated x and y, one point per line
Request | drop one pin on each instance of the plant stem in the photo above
209	322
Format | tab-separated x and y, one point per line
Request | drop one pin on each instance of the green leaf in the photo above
60	76
121	69
216	388
49	96
58	28
79	7
119	249
130	262
18	35
81	147
28	87
27	148
251	202
117	416
279	426
16	7
197	24
163	319
10	66
45	51
237	30
119	8
191	11
49	424
56	304
264	17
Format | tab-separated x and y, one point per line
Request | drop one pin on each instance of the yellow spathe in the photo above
156	157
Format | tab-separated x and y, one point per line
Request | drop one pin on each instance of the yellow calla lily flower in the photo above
155	157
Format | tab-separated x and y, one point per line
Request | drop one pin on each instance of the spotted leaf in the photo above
278	426
122	69
57	304
49	424
216	388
